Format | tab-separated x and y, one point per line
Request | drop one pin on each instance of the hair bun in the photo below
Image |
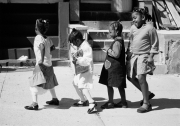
74	29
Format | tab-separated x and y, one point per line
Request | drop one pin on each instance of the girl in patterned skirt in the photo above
43	78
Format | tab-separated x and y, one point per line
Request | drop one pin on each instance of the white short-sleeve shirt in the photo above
47	44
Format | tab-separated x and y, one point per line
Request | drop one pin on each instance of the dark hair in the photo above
143	11
42	25
74	35
117	26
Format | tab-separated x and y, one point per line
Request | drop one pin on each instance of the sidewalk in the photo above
15	94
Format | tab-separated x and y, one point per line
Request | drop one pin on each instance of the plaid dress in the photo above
115	75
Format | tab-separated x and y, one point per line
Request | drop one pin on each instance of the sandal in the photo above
32	107
150	97
83	103
121	105
143	110
93	109
107	105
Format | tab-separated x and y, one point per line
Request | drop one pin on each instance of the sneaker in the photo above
121	105
53	102
32	107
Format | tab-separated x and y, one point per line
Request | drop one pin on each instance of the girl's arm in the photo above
42	50
115	51
52	47
154	44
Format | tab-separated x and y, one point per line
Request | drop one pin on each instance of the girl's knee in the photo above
142	79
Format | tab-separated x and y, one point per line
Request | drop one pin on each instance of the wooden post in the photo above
63	17
74	10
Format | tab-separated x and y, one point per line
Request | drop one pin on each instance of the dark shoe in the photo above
143	110
32	107
85	103
107	105
92	110
54	101
150	97
121	105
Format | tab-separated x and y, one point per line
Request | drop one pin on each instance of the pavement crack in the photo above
99	117
3	84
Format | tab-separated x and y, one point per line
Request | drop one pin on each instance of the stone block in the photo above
11	54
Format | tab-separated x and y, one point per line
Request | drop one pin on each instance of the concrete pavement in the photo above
15	94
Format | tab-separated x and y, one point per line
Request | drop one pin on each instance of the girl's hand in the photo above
105	49
80	53
74	61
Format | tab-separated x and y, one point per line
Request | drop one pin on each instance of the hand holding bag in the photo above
80	69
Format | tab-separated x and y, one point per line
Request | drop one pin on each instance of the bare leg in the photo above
110	93
87	95
53	93
89	98
80	94
144	87
135	82
34	97
122	94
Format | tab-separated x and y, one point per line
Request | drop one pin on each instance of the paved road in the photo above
15	94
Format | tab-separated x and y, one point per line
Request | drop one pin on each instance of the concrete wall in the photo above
169	47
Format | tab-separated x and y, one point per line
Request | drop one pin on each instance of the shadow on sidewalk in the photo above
165	103
64	103
103	102
158	104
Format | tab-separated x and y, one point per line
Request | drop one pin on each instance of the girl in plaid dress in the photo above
113	73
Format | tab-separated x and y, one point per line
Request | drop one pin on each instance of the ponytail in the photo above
143	11
42	25
117	26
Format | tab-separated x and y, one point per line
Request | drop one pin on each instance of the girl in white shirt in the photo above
83	81
43	75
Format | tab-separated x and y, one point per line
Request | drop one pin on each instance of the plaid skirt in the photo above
49	76
137	64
